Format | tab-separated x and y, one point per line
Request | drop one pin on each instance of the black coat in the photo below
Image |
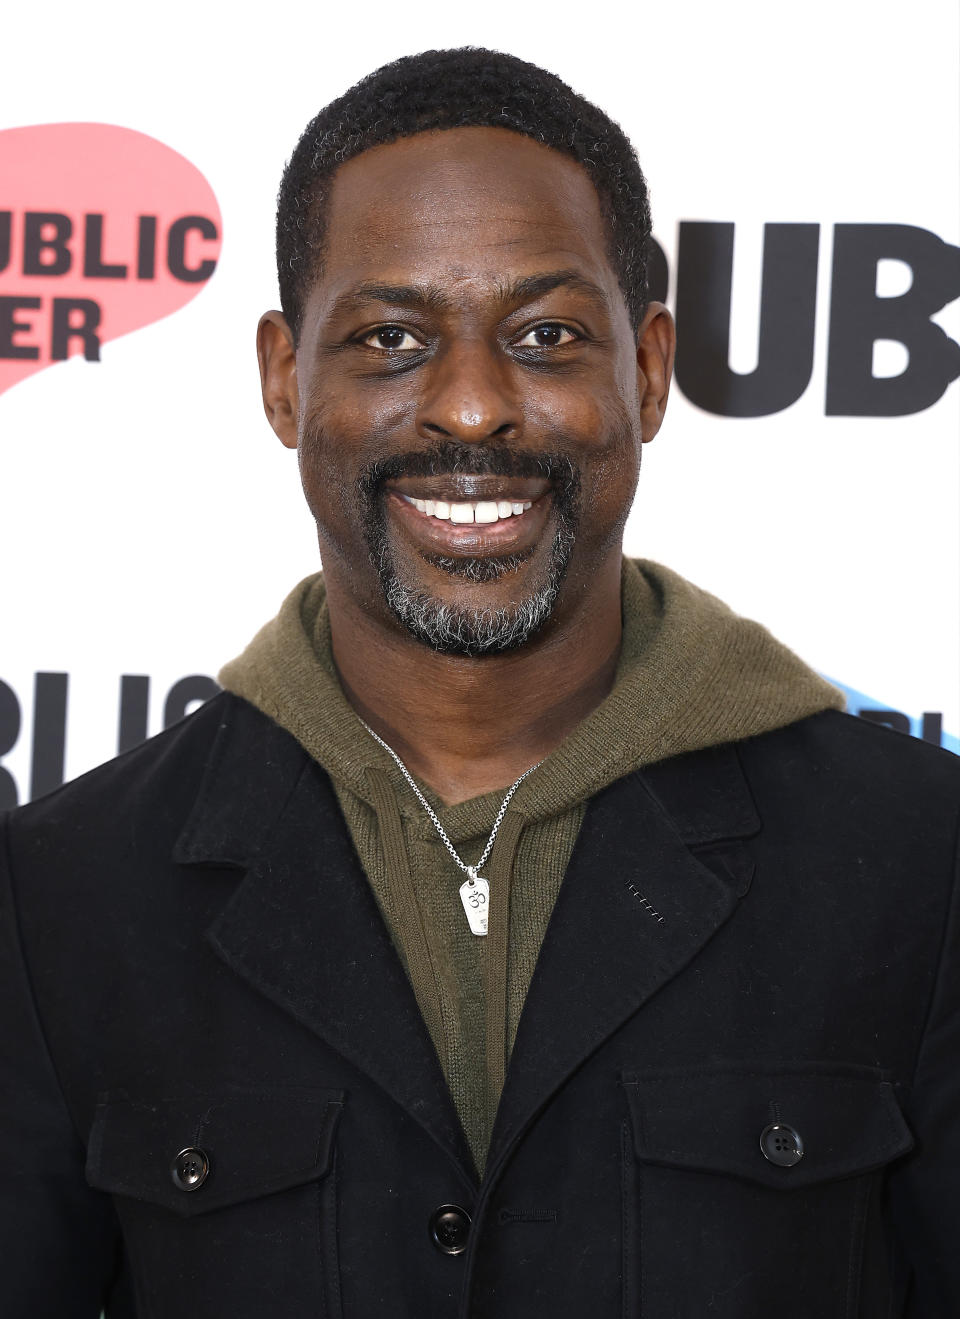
735	1090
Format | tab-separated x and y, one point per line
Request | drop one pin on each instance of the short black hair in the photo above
441	89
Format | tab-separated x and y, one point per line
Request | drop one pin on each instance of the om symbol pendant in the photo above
475	896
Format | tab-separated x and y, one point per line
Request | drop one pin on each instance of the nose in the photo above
468	396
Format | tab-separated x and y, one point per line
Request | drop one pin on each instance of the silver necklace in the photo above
475	890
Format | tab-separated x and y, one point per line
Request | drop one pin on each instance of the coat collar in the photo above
658	867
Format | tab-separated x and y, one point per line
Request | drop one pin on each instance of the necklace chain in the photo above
470	871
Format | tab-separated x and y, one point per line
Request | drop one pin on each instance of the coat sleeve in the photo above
59	1241
925	1191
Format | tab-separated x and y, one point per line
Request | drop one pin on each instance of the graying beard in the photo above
478	570
469	631
473	632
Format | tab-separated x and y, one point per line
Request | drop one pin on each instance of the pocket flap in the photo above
781	1126
236	1145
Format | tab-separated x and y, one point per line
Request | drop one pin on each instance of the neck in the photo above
471	726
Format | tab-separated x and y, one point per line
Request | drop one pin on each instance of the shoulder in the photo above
837	784
857	755
99	870
143	797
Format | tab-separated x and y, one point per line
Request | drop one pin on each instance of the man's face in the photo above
470	403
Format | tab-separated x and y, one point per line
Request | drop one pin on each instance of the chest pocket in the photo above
221	1195
750	1190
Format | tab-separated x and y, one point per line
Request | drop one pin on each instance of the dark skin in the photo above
466	295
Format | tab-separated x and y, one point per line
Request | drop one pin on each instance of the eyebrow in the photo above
530	287
430	297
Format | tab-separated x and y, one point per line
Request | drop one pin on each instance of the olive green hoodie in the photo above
691	674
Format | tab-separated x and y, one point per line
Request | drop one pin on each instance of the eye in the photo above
549	335
391	339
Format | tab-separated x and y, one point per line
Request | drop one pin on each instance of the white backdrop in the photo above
150	520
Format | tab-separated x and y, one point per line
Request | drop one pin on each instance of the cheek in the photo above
355	406
601	433
329	464
610	485
609	473
592	406
341	434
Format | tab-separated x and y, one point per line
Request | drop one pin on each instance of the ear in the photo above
278	376
656	346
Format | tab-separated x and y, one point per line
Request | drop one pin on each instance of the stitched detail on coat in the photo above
647	906
527	1216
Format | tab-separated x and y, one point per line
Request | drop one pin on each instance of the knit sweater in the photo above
691	674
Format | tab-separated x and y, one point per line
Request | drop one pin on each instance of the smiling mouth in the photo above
461	517
483	511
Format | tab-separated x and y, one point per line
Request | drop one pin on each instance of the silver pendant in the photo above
475	896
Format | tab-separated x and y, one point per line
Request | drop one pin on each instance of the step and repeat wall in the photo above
803	170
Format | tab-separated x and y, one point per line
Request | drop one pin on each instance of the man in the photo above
521	933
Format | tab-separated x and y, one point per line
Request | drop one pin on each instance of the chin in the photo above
462	622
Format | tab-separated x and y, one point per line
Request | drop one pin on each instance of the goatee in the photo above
468	630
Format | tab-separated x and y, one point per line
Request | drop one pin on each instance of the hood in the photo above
691	674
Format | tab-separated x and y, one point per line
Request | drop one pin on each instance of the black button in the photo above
190	1169
781	1144
449	1229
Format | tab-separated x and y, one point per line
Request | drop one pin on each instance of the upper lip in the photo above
463	488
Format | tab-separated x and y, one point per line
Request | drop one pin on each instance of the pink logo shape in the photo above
102	231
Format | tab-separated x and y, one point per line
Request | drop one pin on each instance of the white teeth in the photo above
482	510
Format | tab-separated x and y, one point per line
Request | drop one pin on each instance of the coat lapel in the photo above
303	926
636	905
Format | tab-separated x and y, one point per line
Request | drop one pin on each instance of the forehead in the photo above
466	205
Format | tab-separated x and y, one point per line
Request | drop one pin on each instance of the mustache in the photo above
447	458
